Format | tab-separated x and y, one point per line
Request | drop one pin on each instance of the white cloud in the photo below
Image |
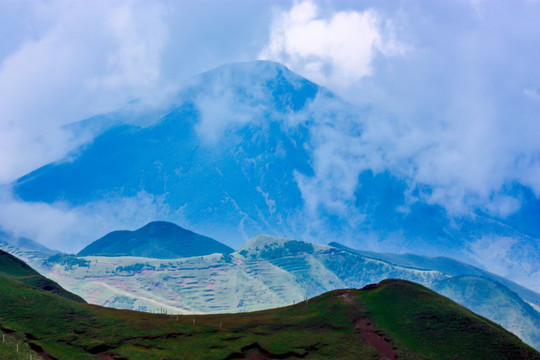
333	50
451	114
88	58
61	226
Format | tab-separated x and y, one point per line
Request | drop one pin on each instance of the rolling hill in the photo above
268	272
158	239
393	319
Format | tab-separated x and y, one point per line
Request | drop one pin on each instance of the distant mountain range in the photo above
394	319
238	153
158	239
268	272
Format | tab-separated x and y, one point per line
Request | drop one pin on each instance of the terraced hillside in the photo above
269	272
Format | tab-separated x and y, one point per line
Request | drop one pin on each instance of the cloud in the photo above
84	58
61	226
333	49
229	98
444	97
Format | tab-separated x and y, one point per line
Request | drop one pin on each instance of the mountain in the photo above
251	148
24	243
390	320
268	272
158	239
15	269
445	265
488	298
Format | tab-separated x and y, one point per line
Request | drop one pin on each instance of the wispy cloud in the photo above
69	228
86	58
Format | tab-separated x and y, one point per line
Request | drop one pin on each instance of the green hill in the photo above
16	269
269	272
158	239
394	319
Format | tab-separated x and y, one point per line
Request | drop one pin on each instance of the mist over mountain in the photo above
252	148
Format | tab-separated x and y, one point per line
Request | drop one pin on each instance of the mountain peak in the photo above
157	239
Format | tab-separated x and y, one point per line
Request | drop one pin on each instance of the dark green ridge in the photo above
395	317
158	239
18	270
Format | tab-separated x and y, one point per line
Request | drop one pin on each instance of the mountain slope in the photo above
342	324
268	272
216	175
18	270
445	265
158	239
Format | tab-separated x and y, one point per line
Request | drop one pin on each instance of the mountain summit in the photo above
158	239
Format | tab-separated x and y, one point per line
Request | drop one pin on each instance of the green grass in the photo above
430	324
16	269
419	323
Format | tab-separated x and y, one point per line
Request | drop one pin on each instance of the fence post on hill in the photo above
220	325
17	347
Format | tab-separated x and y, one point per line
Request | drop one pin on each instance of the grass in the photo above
419	324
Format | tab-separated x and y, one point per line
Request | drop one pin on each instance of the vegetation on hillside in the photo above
395	318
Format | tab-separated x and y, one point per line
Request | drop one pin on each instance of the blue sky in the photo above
454	86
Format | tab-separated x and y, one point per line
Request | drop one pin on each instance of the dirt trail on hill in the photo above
366	328
375	337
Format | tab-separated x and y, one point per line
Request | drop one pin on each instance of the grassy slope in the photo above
419	324
17	269
267	278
